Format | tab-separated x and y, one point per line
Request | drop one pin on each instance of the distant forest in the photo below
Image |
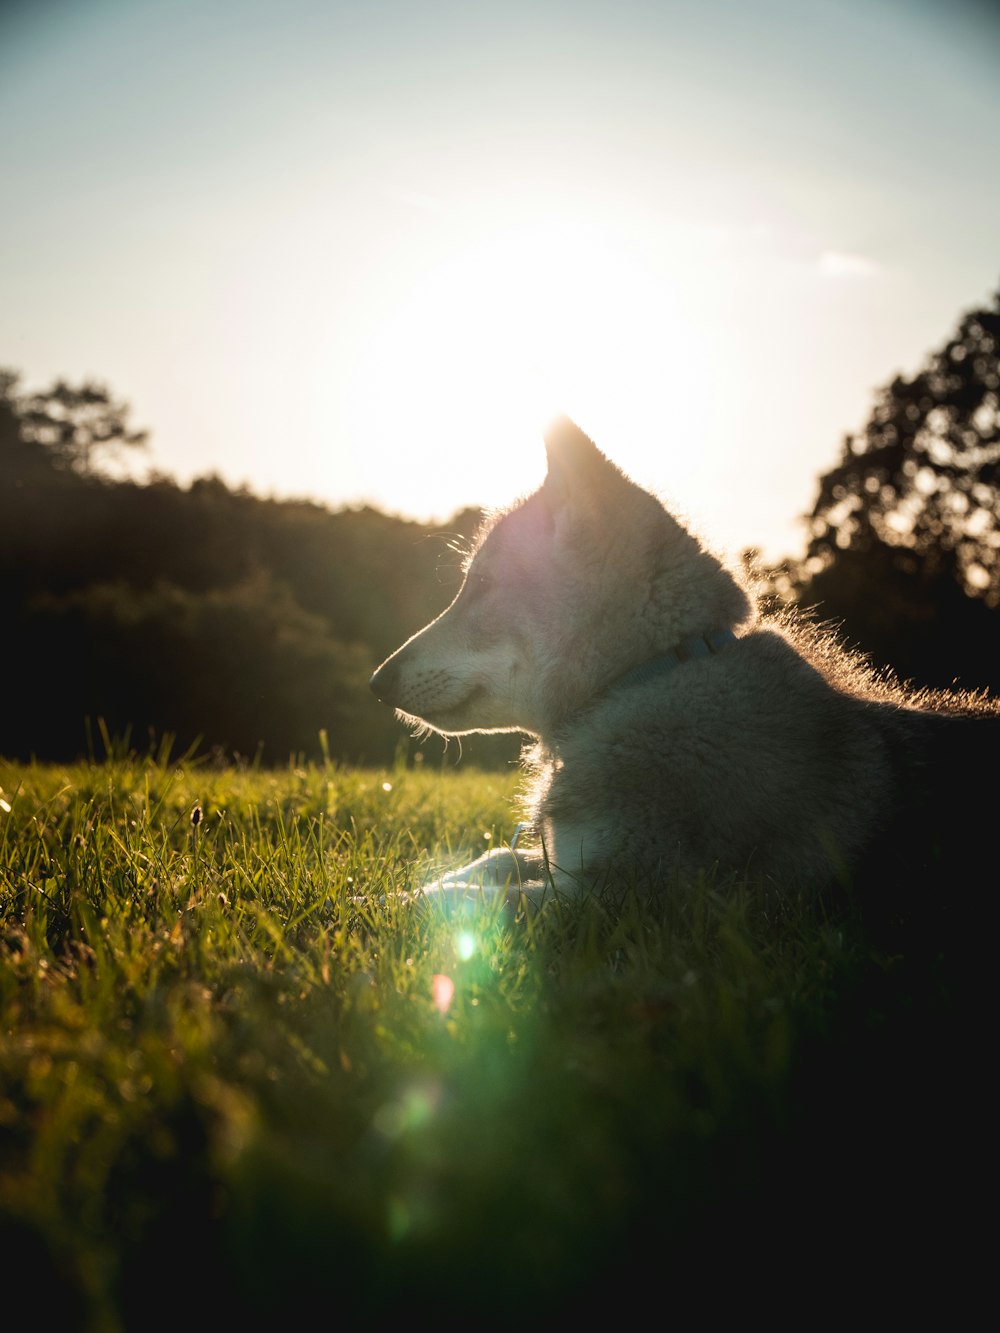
202	619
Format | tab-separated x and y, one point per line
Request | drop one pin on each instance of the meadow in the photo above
241	1080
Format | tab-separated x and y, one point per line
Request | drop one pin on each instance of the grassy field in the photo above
236	1086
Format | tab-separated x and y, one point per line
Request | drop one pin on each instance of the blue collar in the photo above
698	645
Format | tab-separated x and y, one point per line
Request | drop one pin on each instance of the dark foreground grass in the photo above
236	1088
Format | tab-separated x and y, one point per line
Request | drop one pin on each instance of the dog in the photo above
673	730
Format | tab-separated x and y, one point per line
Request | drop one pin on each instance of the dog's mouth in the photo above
447	719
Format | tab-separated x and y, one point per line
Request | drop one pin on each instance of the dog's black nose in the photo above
384	682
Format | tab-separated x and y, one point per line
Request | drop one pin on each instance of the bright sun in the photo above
486	346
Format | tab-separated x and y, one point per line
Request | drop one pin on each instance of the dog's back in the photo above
931	855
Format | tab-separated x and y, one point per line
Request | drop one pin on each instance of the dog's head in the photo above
563	592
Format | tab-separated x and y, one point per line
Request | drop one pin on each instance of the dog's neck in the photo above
698	645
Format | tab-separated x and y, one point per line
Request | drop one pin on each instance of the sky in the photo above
360	252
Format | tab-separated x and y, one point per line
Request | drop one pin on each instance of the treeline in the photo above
209	620
154	615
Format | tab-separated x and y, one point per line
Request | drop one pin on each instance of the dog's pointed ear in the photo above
574	460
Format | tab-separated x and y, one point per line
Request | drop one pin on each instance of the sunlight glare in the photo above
455	386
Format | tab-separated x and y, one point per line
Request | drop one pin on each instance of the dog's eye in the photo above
476	584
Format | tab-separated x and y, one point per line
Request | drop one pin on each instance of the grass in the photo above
236	1084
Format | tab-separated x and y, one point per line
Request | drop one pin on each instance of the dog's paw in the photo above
500	880
459	891
492	878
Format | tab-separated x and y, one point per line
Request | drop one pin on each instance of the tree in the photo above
923	477
904	549
67	428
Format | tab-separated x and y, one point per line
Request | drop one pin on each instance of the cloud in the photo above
837	264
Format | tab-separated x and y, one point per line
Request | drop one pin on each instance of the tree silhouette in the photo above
904	545
65	427
924	475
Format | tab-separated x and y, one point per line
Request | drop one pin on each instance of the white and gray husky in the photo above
674	731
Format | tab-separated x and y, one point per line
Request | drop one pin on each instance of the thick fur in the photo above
779	757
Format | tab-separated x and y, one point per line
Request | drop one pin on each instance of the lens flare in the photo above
443	991
465	945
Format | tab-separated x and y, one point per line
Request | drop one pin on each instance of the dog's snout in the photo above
384	682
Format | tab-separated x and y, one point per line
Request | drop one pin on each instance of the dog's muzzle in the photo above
384	683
